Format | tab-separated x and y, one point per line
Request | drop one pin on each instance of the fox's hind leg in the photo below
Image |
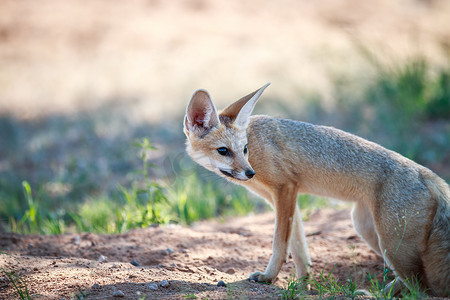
364	226
298	247
401	248
404	262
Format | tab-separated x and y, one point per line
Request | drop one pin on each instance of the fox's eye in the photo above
223	151
245	149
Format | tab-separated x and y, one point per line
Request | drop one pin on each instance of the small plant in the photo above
80	295
413	289
145	199
34	220
350	289
142	205
140	295
19	284
323	283
294	288
376	287
31	219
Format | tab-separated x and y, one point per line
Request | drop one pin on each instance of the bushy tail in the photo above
437	257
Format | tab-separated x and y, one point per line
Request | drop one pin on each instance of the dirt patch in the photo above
192	260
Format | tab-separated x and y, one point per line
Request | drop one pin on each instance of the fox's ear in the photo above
201	114
241	110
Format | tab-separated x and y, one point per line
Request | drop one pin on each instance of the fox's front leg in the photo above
284	203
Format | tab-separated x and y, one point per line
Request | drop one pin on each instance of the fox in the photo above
401	209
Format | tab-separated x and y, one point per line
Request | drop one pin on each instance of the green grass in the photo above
403	105
379	285
144	202
188	199
294	288
35	220
309	203
80	295
193	198
139	206
20	286
325	286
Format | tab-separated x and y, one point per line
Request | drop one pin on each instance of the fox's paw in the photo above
260	277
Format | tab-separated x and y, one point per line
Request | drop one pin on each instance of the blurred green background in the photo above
92	96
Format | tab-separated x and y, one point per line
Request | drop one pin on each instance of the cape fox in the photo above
402	209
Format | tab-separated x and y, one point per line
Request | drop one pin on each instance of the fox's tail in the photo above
436	260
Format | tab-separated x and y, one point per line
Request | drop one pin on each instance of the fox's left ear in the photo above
201	113
241	110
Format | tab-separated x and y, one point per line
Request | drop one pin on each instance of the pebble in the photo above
230	271
164	283
118	293
95	286
76	239
170	251
221	283
101	258
153	286
135	263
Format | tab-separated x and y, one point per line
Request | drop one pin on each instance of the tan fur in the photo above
402	209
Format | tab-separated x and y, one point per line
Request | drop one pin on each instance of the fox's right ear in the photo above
201	114
241	110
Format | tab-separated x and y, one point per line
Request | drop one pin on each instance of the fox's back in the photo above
287	150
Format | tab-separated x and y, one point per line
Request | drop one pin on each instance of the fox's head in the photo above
218	141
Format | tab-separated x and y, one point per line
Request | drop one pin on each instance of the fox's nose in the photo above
249	173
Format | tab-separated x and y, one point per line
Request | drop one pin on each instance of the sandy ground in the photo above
191	259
